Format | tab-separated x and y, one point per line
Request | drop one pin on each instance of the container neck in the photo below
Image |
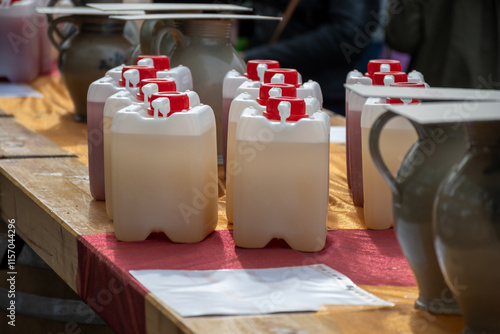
485	134
207	28
101	25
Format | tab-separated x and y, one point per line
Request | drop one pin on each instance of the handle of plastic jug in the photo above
161	44
378	161
54	28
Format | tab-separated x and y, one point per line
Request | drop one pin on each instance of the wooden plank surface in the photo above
345	319
50	200
4	114
18	141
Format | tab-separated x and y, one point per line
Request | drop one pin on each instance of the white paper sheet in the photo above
18	90
337	134
435	113
253	291
430	94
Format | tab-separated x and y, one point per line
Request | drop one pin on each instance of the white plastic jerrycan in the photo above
120	100
354	132
233	79
353	78
281	190
98	93
354	104
20	41
398	136
240	103
164	170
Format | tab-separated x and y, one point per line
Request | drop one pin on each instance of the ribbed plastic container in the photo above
164	170
281	189
240	103
395	141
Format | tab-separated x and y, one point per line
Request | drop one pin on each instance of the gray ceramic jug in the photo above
203	46
97	45
414	188
467	229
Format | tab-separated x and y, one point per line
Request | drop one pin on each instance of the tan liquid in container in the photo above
164	170
242	101
281	190
395	141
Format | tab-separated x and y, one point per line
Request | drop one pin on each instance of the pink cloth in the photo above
366	256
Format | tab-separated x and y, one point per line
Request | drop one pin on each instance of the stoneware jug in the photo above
97	45
467	228
203	46
414	188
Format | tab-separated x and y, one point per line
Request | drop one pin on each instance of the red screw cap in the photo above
253	64
374	66
178	102
160	62
297	108
291	76
405	84
284	89
164	85
145	72
378	77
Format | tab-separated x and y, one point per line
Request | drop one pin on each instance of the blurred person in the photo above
323	40
454	43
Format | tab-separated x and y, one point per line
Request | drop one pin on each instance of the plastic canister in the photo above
353	78
240	103
308	89
281	190
398	136
120	100
232	80
20	48
98	93
149	66
354	103
164	170
354	150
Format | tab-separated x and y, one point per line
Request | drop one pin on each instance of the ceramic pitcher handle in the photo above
179	39
374	142
53	28
148	29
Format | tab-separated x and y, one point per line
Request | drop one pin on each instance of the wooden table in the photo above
44	187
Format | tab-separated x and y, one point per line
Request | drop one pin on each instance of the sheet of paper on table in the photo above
253	291
337	134
17	90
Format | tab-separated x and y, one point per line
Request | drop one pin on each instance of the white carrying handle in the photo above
146	62
148	90
385	68
388	80
261	68
284	107
275	91
131	77
278	78
161	104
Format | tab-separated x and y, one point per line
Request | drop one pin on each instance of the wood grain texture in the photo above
4	114
18	141
50	201
402	318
